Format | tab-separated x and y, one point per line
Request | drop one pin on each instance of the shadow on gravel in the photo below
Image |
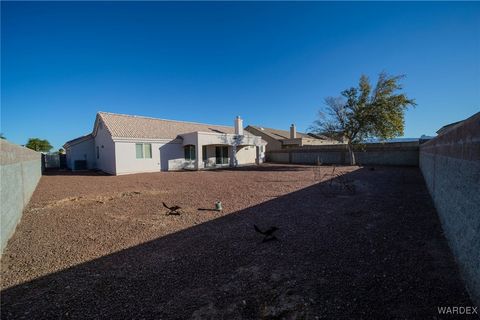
265	168
377	252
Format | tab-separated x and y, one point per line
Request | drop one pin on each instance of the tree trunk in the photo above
234	155
351	154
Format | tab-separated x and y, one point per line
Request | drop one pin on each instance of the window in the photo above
147	150
98	152
139	150
143	150
190	152
221	155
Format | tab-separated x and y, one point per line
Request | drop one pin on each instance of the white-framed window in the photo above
143	150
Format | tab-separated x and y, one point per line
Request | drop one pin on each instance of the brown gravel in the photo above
367	244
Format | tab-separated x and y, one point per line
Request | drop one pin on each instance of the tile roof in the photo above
280	134
79	139
128	126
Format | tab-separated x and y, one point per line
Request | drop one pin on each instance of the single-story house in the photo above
122	144
283	139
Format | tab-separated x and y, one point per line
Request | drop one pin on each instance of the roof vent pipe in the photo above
293	131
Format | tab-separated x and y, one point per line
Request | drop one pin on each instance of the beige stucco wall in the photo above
166	156
246	155
272	144
207	138
84	150
118	155
210	157
169	155
127	162
106	146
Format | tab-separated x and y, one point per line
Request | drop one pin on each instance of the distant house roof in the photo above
447	127
79	139
285	134
318	136
450	126
278	134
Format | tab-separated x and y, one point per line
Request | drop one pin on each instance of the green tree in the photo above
61	151
361	112
2	136
39	145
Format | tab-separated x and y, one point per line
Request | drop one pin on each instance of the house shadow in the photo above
375	252
171	157
68	172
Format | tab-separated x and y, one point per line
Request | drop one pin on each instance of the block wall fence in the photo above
450	164
20	171
389	154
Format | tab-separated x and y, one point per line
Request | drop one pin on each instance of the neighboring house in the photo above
282	139
453	125
447	127
122	144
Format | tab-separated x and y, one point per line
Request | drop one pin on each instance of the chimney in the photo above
293	132
239	126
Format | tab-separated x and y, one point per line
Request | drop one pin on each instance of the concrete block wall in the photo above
20	171
396	154
277	157
313	157
450	164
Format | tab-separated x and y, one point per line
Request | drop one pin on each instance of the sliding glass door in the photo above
221	155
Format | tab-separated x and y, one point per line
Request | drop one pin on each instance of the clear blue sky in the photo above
271	63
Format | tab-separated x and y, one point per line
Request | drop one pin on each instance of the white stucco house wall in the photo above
123	144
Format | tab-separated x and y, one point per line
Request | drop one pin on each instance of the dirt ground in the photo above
352	242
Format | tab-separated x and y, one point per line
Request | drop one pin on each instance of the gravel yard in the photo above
352	243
